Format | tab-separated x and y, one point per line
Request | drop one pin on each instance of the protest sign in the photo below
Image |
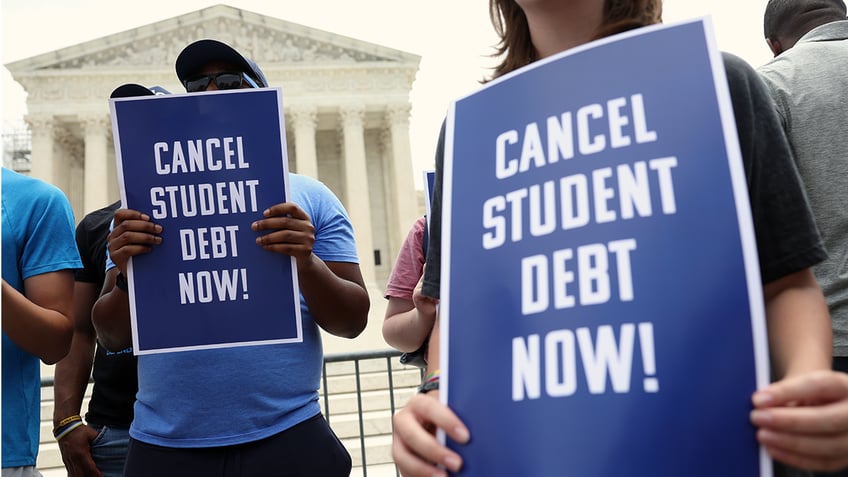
429	183
204	167
601	301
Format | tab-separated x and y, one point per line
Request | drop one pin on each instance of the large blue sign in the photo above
205	166
602	306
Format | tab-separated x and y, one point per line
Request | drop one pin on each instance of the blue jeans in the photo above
109	450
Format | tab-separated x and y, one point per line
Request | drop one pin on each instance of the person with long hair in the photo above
810	436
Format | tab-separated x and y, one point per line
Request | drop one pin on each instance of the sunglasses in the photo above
225	80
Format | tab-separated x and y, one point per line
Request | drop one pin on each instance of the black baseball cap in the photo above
130	90
202	52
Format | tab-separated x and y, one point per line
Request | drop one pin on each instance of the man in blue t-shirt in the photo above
246	410
39	257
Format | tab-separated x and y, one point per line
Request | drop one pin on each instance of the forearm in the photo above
433	350
407	326
111	319
404	331
71	377
799	326
72	372
43	331
336	297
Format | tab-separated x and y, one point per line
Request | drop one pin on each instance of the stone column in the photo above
96	182
304	123
68	173
402	193
43	132
356	187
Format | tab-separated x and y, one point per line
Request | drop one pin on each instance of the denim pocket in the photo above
101	435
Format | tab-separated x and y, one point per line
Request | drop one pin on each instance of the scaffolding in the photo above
17	147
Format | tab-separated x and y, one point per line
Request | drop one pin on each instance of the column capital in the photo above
398	113
41	125
352	114
95	124
303	116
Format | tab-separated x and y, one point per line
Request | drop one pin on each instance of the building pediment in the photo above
268	40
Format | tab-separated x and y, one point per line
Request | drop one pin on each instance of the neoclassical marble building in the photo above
346	108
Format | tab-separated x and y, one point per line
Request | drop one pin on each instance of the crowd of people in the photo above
66	301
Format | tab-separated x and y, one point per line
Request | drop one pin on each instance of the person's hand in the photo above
425	305
291	231
76	452
133	234
415	449
803	421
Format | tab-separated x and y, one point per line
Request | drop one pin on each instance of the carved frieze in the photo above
263	44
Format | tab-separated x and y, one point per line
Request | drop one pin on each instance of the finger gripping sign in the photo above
601	295
205	167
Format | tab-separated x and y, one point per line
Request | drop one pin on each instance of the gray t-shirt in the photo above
809	85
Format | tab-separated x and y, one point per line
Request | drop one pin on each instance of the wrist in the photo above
66	426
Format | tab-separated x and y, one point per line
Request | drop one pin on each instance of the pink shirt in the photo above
409	263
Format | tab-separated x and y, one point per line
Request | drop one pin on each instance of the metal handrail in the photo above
356	358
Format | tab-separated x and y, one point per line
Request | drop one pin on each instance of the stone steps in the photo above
375	399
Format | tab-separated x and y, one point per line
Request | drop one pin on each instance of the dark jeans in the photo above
309	449
109	450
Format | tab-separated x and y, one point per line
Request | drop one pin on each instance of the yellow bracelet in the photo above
68	420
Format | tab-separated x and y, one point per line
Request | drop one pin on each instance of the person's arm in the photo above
70	382
405	327
802	419
39	320
110	315
400	326
334	291
336	295
133	234
408	322
799	326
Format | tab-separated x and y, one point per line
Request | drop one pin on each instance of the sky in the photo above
453	37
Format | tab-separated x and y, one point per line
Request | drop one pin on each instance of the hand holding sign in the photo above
814	436
133	234
415	448
291	231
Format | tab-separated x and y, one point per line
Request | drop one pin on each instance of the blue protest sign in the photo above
429	183
205	166
601	300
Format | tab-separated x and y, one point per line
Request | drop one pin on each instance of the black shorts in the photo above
308	449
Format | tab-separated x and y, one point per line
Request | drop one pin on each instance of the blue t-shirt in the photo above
38	238
227	396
